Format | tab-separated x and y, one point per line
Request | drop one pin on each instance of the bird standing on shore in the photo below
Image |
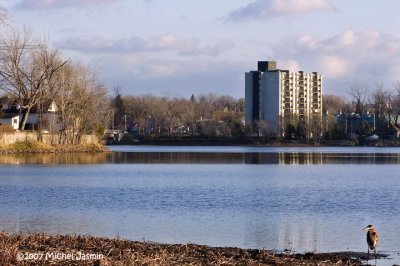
372	238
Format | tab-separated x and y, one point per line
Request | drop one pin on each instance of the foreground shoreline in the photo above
41	249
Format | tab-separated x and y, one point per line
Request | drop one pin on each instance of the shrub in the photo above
24	145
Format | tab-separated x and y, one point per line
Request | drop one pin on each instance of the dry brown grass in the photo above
122	252
39	147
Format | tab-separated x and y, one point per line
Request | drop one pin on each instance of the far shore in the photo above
41	249
256	142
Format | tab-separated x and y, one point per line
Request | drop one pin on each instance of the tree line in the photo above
204	115
380	104
212	115
365	111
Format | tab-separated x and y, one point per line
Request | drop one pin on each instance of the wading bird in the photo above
372	238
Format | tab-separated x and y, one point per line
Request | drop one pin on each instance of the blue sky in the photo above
179	47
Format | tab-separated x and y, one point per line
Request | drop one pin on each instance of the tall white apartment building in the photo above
275	95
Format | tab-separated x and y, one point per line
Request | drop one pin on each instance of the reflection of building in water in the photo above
202	158
261	158
299	237
285	231
284	158
300	158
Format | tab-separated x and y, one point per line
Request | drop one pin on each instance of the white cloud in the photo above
263	9
167	42
308	42
291	65
347	38
141	74
345	59
98	44
333	66
53	4
163	42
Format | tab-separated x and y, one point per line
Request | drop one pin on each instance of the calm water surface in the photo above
303	199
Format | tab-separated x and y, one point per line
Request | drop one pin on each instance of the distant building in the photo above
273	95
354	125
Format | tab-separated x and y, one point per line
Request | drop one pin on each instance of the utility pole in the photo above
374	122
126	128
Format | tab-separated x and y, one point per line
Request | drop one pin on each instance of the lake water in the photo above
302	199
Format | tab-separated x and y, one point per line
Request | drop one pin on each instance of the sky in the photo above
177	48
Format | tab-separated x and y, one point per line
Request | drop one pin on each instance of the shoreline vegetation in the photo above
28	146
36	248
129	139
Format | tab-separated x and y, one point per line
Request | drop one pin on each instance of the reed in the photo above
116	251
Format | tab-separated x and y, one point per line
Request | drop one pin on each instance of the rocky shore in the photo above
40	249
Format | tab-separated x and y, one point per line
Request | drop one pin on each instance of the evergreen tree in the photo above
119	111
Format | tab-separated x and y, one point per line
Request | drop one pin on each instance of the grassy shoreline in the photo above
41	249
38	147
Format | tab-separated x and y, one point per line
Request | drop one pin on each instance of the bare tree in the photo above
82	102
359	96
206	116
26	68
263	128
332	104
380	102
136	110
394	106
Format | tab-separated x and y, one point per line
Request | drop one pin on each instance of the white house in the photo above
12	117
10	120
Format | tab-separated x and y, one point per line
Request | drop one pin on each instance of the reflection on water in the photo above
202	158
254	158
268	199
54	158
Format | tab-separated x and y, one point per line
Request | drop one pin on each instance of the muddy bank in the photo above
39	249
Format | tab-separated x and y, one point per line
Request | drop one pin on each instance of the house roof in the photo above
13	103
8	115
